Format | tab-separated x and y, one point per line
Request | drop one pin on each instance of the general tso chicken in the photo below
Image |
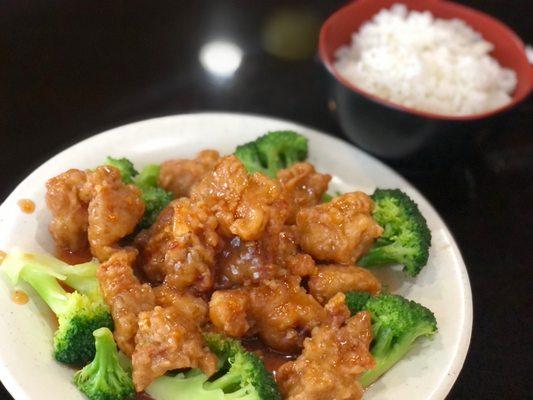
226	277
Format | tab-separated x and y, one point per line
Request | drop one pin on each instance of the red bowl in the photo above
508	48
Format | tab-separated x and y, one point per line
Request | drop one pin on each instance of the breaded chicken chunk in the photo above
168	339
275	255
195	307
243	204
339	231
179	248
93	207
279	311
304	187
332	359
333	278
70	219
125	295
179	176
115	210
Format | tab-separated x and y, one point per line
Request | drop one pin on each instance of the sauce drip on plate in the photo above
26	206
19	297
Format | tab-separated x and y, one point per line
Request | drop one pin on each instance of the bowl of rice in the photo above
412	78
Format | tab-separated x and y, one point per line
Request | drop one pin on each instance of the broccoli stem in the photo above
106	358
241	394
386	356
82	277
226	381
383	255
47	287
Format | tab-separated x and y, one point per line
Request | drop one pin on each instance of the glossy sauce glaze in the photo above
272	359
73	257
19	297
239	262
26	206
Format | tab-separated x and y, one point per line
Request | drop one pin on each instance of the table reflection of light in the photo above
221	58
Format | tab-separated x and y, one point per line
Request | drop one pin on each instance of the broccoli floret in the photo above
78	313
155	198
104	378
326	198
148	176
245	371
396	324
356	301
406	237
242	376
125	166
272	152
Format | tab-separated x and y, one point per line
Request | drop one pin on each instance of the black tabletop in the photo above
71	69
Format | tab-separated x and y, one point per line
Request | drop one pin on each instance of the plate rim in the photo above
17	390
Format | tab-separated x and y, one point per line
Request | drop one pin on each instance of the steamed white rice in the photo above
426	63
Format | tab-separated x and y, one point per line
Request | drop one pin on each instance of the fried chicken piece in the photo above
94	208
304	187
332	279
228	311
194	307
179	248
168	339
69	211
115	210
169	336
244	263
153	244
301	265
190	257
179	176
279	311
280	243
332	359
261	203
339	231
125	295
243	204
284	313
223	187
338	311
274	256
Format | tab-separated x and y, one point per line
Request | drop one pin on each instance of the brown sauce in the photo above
19	297
271	358
3	255
26	206
74	257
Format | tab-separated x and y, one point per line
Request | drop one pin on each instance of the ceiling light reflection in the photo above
221	58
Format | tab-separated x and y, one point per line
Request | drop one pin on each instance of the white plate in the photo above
27	368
